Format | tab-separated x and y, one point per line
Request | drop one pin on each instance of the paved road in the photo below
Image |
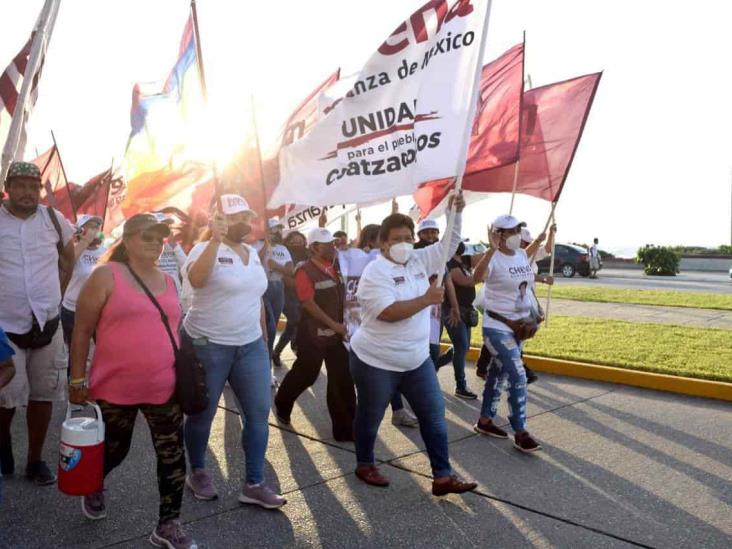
622	467
693	281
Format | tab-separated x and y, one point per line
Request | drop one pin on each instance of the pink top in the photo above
134	360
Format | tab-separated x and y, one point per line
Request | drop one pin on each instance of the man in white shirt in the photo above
33	239
594	258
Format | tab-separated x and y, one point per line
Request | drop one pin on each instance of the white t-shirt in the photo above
403	345
82	270
509	288
171	261
280	255
227	310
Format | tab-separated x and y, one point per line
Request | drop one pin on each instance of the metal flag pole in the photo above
462	160
551	220
517	166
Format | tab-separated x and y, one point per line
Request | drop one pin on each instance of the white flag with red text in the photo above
403	121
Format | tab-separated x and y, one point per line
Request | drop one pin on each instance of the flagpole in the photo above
463	158
109	188
63	171
551	267
517	166
18	120
259	160
515	182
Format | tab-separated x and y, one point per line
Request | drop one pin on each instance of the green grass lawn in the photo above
675	350
640	297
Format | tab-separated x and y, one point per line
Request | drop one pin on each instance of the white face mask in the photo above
401	252
513	242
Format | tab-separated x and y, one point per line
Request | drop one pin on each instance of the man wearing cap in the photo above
278	262
32	240
320	336
88	249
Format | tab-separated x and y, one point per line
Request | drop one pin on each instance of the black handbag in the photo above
36	338
523	328
470	316
191	389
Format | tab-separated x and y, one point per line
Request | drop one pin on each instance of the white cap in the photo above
233	203
507	222
163	217
427	224
274	222
86	218
526	235
319	235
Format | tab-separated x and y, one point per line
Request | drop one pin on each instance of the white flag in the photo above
403	121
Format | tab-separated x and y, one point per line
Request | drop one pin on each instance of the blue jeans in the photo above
460	337
246	367
375	388
506	366
274	302
292	313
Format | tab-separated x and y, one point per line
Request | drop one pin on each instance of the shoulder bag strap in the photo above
163	316
57	226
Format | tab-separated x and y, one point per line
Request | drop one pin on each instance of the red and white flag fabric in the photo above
402	123
496	127
553	118
56	191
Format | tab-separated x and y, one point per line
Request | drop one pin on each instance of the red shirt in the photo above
304	286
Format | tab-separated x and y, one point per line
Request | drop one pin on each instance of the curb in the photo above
719	390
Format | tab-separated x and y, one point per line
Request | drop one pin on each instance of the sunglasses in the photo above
152	236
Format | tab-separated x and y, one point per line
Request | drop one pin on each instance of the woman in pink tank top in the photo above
134	365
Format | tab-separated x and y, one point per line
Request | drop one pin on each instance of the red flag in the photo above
553	119
56	191
244	173
495	139
92	197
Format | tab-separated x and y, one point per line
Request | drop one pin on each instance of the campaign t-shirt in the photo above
227	310
280	255
82	271
509	286
351	263
171	261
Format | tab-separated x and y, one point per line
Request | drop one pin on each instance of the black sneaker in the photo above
489	428
445	359
465	394
7	463
282	418
39	473
276	360
530	375
524	443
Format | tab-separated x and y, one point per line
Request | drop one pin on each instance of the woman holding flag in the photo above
390	351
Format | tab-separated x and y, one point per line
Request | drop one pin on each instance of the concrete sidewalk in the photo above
679	316
621	467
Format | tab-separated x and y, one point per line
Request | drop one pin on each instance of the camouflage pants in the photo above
166	427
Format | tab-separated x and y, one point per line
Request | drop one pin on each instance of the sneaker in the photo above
7	463
276	360
465	394
170	534
490	429
260	494
455	485
282	418
404	418
524	443
530	375
39	473
93	506
201	484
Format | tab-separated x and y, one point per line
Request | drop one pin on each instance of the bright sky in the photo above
653	166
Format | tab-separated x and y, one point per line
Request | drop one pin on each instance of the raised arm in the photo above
433	257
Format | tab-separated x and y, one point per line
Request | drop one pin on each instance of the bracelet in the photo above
77	381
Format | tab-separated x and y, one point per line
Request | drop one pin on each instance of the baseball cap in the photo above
86	218
233	203
23	169
526	235
319	235
274	222
427	224
143	222
507	222
163	218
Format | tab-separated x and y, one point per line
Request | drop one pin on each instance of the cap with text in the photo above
86	218
507	222
427	224
318	235
233	204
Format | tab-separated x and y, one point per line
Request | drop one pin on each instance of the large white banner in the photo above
403	121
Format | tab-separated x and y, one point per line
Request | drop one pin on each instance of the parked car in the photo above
570	260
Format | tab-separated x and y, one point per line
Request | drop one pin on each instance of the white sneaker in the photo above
404	418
